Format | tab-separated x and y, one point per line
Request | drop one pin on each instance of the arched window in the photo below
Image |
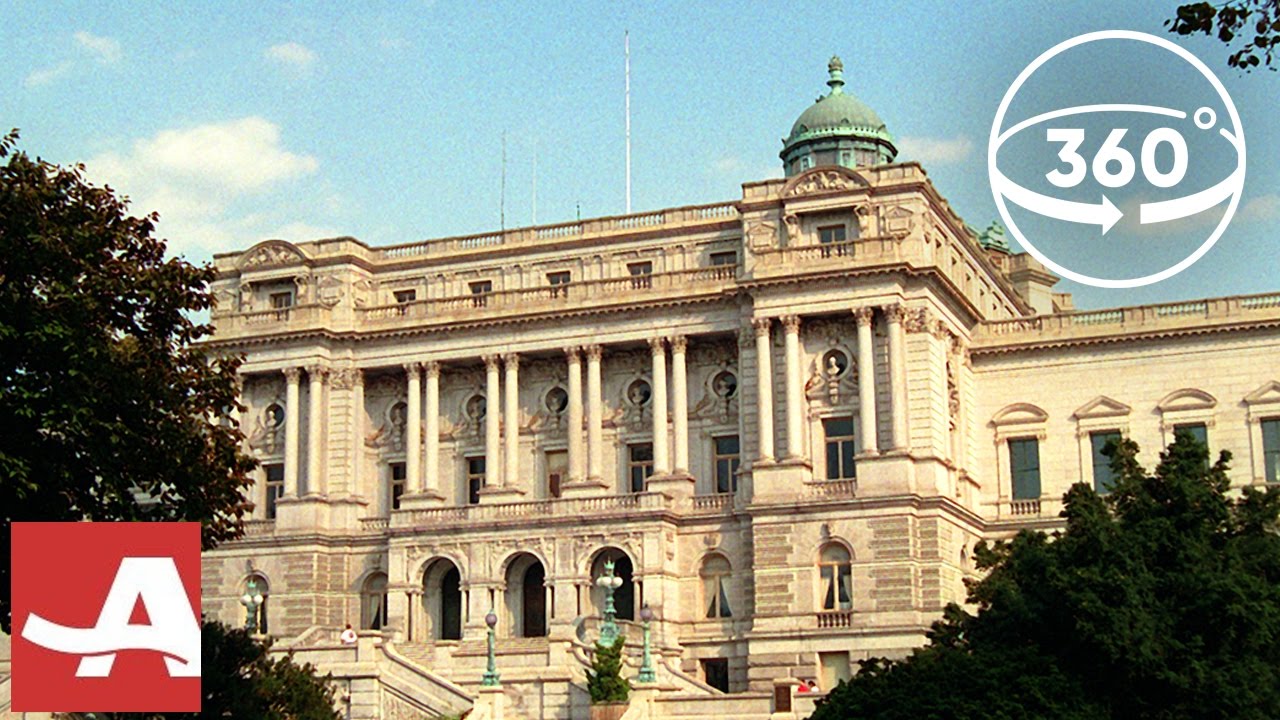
373	602
835	572
256	592
715	586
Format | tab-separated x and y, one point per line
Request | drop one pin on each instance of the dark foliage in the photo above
604	679
1250	27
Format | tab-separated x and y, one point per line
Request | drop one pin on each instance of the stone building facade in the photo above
788	418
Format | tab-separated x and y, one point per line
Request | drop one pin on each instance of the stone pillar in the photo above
764	387
511	422
897	375
575	414
316	375
866	381
658	403
595	416
491	420
795	399
413	430
431	478
680	405
357	428
291	395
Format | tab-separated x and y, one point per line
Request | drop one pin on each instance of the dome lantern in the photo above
838	129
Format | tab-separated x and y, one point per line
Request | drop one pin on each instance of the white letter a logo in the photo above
173	629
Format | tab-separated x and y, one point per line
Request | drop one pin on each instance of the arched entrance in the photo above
624	598
442	600
527	596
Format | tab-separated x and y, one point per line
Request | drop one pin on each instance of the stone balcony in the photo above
647	504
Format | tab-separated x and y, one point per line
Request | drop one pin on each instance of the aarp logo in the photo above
106	617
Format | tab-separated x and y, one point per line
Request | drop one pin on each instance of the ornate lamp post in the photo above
251	600
646	674
490	678
610	583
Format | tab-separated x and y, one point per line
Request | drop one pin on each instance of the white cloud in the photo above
1262	208
291	55
216	186
935	151
44	76
103	49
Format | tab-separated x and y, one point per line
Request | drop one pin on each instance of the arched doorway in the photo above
527	596
442	599
624	598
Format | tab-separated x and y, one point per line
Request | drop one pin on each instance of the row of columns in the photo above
316	376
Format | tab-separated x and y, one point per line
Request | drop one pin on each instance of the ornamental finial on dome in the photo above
836	68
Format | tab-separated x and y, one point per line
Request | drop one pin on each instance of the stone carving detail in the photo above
303	283
390	435
225	301
833	377
246	297
953	394
720	392
268	429
329	290
273	254
915	320
762	234
361	290
821	181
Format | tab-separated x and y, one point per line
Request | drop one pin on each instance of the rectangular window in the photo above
727	458
1103	477
281	300
475	479
721	259
557	471
640	274
1199	431
275	487
406	296
396	487
840	448
716	672
559	282
480	291
835	668
1024	467
1271	449
833	235
639	465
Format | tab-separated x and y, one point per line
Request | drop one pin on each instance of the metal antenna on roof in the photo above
626	51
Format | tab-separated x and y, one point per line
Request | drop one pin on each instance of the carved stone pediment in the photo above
823	180
272	253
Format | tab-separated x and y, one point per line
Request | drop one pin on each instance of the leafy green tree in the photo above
1158	601
604	679
1251	27
110	409
240	680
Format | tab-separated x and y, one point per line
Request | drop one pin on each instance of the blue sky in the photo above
384	121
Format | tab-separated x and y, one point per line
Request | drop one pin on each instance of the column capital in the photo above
893	313
593	352
864	315
432	368
657	345
679	344
491	361
791	323
292	374
347	378
318	372
413	368
511	360
573	353
762	325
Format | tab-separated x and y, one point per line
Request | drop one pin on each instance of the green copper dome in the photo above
994	238
838	129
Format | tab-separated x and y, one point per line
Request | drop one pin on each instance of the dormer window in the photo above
833	235
281	300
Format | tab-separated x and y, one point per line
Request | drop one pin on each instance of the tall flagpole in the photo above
626	48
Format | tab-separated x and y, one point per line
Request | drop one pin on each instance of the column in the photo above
897	376
413	430
357	428
491	419
431	479
680	403
291	400
866	381
575	414
316	374
764	387
595	416
795	400
658	403
511	422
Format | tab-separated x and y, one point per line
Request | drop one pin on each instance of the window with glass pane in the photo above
1024	461
715	586
275	487
475	479
832	235
640	272
835	571
1103	476
1271	449
639	465
480	290
559	282
1199	431
406	296
840	448
396	489
720	259
373	613
281	300
727	459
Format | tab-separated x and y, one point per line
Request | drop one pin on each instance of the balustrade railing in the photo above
831	489
561	507
1023	508
835	619
1132	319
712	503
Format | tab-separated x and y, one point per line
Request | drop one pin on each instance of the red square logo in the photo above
106	617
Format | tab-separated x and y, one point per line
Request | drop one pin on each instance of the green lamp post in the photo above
610	583
646	674
251	600
490	677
